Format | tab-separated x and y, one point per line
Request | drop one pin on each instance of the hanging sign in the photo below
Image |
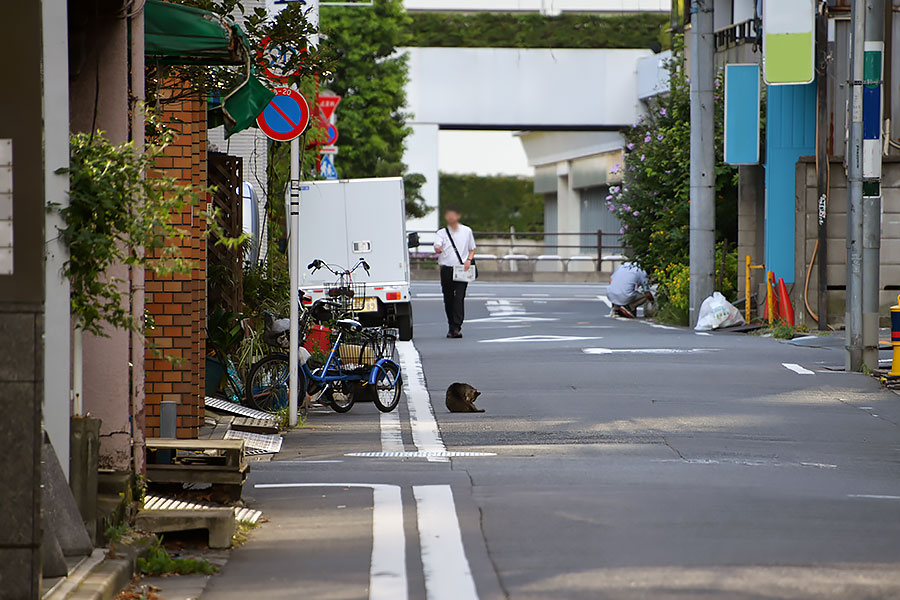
286	116
788	41
742	114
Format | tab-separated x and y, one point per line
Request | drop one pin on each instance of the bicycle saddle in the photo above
349	324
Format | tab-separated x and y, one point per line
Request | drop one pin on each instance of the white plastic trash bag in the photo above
717	312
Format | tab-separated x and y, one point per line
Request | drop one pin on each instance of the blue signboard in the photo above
742	114
326	167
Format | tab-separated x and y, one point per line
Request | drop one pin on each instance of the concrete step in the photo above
219	522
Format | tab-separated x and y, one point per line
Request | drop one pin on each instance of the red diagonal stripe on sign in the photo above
281	112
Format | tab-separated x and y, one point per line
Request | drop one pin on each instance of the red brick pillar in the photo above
175	360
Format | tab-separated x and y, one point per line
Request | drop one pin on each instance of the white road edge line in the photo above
797	369
448	575
425	432
391	435
387	571
874	496
605	300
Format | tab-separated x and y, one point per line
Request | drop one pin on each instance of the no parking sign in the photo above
286	116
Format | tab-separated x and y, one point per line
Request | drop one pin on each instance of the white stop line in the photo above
647	350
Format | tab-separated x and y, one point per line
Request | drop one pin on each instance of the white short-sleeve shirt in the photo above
464	240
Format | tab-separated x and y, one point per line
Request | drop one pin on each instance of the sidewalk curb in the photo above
99	577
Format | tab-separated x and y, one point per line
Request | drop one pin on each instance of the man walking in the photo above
455	245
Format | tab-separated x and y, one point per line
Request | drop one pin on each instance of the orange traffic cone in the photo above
786	308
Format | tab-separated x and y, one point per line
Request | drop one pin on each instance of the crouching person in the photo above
628	290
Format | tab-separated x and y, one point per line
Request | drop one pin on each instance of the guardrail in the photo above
522	251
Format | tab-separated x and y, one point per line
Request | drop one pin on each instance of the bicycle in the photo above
359	363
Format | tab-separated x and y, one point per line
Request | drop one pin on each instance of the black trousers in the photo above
454	298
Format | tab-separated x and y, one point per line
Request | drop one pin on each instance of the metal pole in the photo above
871	171
703	174
312	17
822	165
854	191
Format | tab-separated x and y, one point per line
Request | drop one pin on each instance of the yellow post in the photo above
895	339
770	306
747	288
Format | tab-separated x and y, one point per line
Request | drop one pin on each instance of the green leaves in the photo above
494	203
117	215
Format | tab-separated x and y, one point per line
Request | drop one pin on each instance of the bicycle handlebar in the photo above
338	270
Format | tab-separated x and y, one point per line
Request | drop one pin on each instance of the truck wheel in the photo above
405	325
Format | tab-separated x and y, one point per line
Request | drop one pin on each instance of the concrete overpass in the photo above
562	90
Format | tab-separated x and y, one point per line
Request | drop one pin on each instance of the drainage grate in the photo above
258	441
151	502
437	454
235	409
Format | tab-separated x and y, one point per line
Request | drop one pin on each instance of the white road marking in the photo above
511	319
647	350
537	295
605	300
797	369
425	433
504	308
391	435
660	326
401	454
702	333
387	570
539	338
448	575
429	295
874	496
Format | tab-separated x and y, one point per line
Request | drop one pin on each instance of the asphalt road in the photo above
616	459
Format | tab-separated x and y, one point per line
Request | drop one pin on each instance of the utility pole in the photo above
312	16
703	157
822	164
871	172
855	189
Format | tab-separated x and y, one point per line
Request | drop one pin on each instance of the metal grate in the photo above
243	514
267	443
235	409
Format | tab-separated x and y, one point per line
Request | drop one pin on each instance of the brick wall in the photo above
175	358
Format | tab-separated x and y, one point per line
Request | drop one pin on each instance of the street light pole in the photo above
703	158
854	190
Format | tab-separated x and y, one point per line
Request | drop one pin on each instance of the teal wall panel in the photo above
790	134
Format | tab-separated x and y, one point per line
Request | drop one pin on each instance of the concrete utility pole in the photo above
854	190
312	17
703	157
871	172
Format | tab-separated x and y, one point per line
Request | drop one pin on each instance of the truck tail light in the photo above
392	295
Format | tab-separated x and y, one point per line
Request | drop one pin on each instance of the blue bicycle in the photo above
359	365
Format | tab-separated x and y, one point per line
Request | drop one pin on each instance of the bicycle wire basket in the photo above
348	296
365	348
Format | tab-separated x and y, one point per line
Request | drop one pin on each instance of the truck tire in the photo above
405	325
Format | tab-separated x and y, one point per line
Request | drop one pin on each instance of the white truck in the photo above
342	221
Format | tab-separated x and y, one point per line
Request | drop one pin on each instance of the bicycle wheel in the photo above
388	388
267	384
341	397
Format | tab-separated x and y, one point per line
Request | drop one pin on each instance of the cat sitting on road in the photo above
461	398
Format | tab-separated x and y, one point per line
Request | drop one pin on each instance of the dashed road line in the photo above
874	496
425	432
391	434
797	369
448	575
387	569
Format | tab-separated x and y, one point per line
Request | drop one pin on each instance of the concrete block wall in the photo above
175	358
806	225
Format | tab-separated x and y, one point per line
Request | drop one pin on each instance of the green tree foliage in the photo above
653	200
117	215
530	30
494	203
370	77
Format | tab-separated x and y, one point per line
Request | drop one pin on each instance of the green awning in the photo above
177	34
181	35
